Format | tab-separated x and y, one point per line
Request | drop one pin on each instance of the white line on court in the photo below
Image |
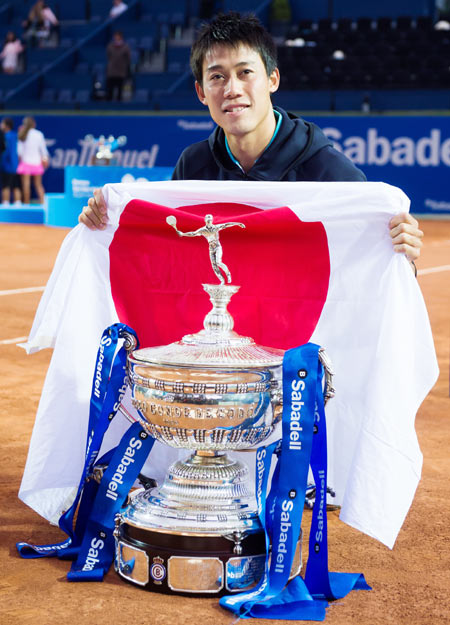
424	272
19	339
29	289
438	243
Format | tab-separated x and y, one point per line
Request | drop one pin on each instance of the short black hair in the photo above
8	122
233	29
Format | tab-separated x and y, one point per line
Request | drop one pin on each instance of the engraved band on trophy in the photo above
211	392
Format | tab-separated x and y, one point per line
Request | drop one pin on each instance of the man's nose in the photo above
232	87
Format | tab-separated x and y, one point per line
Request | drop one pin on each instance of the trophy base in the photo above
191	564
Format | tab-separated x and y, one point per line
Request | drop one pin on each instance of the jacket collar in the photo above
292	144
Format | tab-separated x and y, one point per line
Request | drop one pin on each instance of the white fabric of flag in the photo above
373	325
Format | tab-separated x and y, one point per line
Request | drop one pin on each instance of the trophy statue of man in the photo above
211	233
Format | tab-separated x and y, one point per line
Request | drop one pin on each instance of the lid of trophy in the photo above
216	345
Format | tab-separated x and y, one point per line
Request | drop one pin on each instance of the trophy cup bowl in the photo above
213	392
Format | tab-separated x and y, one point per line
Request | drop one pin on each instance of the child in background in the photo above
10	53
9	162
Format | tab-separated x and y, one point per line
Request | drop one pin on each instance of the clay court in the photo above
410	583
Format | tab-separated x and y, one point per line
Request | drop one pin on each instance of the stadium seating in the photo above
335	53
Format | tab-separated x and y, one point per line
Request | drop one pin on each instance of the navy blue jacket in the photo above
300	151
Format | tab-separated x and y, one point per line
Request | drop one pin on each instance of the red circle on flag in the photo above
281	264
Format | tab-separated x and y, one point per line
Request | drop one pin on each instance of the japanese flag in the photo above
314	263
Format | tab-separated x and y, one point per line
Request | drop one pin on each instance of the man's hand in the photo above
95	215
406	235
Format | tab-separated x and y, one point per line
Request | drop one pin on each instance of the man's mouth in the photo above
235	108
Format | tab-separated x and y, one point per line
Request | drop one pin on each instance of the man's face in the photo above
237	90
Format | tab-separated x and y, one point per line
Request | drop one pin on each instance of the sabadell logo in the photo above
374	149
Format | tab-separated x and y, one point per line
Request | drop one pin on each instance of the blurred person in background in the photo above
12	48
40	23
33	157
9	162
117	8
118	67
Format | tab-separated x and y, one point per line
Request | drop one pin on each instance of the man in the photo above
234	64
118	67
9	162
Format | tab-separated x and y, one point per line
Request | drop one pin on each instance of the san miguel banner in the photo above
410	152
315	262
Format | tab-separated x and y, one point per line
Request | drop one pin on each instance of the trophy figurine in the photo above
212	392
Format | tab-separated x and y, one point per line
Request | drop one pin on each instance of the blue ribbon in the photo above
275	597
97	548
108	388
321	583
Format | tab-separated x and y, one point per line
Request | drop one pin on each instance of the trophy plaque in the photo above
212	392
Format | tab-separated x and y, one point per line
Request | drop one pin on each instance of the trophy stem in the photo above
208	453
207	492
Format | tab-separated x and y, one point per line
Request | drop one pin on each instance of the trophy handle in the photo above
130	341
329	390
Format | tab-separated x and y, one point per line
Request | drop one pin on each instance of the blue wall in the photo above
411	152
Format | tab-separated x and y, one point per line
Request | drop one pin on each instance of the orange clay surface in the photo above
411	583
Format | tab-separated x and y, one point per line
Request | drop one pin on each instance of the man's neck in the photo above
248	148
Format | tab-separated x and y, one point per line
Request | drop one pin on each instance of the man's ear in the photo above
200	93
274	80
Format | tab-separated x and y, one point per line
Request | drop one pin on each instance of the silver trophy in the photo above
211	392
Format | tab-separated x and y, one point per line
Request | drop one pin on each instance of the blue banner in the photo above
80	182
303	443
410	152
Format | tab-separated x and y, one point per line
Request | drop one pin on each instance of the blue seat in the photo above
65	96
177	59
99	10
98	70
40	58
178	101
262	10
141	95
72	11
82	95
153	82
59	80
91	55
48	94
147	43
81	68
301	10
314	100
66	42
138	29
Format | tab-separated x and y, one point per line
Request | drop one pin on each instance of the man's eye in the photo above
216	77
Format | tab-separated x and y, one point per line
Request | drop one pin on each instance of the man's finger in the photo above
406	218
83	218
93	213
100	201
411	252
407	229
405	238
91	217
